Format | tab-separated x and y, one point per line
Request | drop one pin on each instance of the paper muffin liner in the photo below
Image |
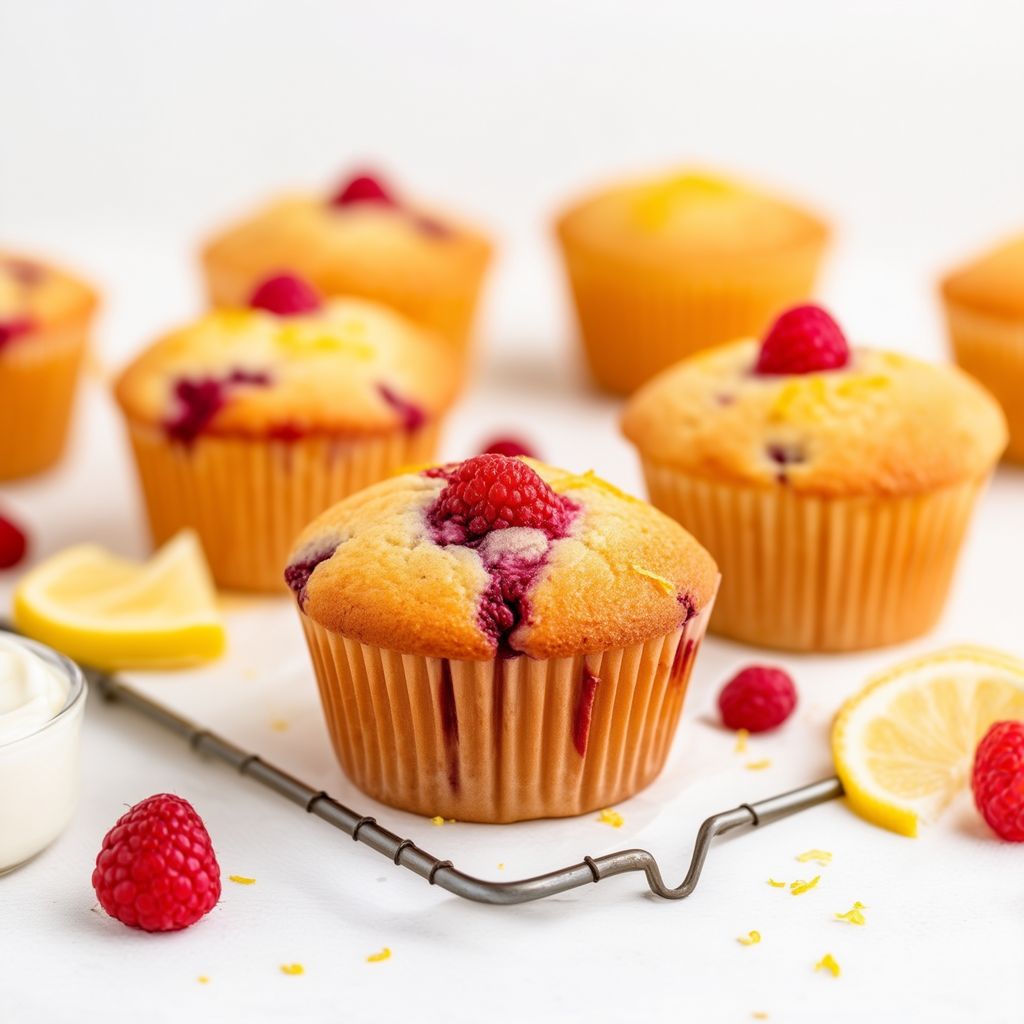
248	499
805	573
634	322
507	739
38	378
992	350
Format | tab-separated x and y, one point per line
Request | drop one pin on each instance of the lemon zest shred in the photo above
799	887
241	879
828	963
437	820
742	735
752	938
589	479
203	979
609	816
759	1015
758	766
855	915
822	857
292	969
776	885
376	958
664	585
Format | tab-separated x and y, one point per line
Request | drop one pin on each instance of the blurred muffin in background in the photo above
364	240
984	305
45	318
248	423
662	267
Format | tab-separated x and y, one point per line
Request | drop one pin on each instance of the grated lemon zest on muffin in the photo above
292	969
799	887
611	817
742	735
241	879
752	938
376	958
302	339
757	766
664	585
230	319
828	963
861	385
855	915
589	479
801	400
822	857
776	885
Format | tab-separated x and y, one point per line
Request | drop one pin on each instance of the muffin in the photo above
661	268
833	485
45	316
984	304
497	639
364	240
248	423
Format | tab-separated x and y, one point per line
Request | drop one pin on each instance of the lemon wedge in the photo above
904	745
110	612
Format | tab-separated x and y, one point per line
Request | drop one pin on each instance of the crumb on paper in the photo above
609	816
203	979
776	885
742	735
758	766
667	587
279	724
292	969
828	963
855	915
799	887
822	857
241	880
376	958
752	938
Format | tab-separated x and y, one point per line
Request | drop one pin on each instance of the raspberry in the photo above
363	188
156	869
757	699
510	446
14	328
13	543
804	339
285	295
998	780
495	492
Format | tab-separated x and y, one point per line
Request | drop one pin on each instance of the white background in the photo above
129	130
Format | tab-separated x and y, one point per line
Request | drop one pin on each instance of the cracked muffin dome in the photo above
881	424
470	560
348	368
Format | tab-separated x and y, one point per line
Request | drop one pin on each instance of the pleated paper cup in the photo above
248	499
507	739
806	573
636	320
38	378
992	350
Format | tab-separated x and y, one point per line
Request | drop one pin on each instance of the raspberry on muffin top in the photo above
291	366
498	555
36	297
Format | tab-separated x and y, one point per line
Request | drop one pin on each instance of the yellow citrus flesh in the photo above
109	612
904	745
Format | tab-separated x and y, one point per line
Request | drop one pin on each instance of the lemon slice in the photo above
110	612
904	745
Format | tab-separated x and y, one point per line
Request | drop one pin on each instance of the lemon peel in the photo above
822	857
752	938
759	766
799	887
611	817
776	885
742	735
855	915
665	586
292	969
377	958
828	963
241	880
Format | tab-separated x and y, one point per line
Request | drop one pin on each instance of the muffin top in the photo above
35	296
291	366
991	283
364	229
498	555
804	411
689	215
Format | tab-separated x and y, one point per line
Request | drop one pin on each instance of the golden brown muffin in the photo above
984	304
45	317
659	268
479	668
363	241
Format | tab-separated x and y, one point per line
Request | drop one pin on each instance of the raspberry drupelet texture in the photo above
363	188
285	294
804	339
757	699
156	869
13	543
998	780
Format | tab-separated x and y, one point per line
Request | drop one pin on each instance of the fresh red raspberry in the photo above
494	492
14	328
511	446
157	870
998	780
13	543
757	699
804	339
363	188
285	295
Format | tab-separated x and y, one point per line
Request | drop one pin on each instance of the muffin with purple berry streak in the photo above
833	484
249	422
45	317
496	639
364	239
